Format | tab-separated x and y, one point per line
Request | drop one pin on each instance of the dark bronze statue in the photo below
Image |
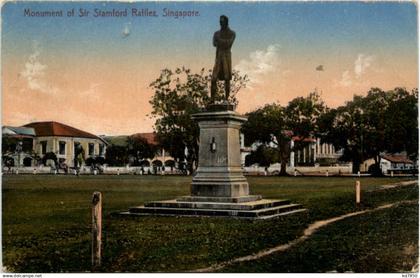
222	40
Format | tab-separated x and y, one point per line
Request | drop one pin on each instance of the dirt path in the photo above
312	228
393	185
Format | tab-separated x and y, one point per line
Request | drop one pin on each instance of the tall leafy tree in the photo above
368	126
274	125
177	95
401	129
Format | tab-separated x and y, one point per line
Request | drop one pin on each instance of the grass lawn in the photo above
381	241
46	225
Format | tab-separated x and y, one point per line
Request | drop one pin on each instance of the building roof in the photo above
397	158
122	140
300	138
59	129
18	131
150	137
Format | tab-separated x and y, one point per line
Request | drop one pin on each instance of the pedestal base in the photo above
219	172
242	199
253	208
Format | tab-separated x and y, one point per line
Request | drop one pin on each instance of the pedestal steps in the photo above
260	209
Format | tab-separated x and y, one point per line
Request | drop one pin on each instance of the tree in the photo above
266	126
79	156
116	155
368	126
263	156
303	114
274	125
401	129
140	149
50	156
178	95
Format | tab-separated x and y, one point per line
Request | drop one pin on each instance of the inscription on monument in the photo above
221	159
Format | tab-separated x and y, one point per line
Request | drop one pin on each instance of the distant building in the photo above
313	153
17	145
61	140
397	163
162	157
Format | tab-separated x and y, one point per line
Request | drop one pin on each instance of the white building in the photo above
313	153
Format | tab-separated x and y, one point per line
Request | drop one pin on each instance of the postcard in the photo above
254	136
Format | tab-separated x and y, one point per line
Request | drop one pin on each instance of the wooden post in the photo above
357	193
96	229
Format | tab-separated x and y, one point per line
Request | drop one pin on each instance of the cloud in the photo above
127	30
92	93
354	78
34	72
346	79
260	63
362	63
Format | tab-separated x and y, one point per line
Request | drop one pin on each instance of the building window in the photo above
62	147
101	149
43	147
91	149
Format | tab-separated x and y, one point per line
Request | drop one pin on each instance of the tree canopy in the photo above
129	150
274	126
139	149
373	124
177	95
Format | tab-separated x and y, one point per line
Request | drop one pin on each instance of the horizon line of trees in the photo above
364	127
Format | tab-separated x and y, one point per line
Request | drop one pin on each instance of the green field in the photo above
46	226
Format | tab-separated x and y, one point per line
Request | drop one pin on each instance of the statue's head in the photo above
224	21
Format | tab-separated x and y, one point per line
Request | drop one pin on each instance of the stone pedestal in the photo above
218	186
219	172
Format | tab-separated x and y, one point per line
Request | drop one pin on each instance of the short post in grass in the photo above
96	229
326	173
357	193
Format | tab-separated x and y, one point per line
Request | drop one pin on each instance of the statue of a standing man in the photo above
222	40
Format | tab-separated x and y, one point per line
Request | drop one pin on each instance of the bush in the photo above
49	156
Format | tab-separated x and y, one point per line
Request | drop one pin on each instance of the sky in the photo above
93	72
